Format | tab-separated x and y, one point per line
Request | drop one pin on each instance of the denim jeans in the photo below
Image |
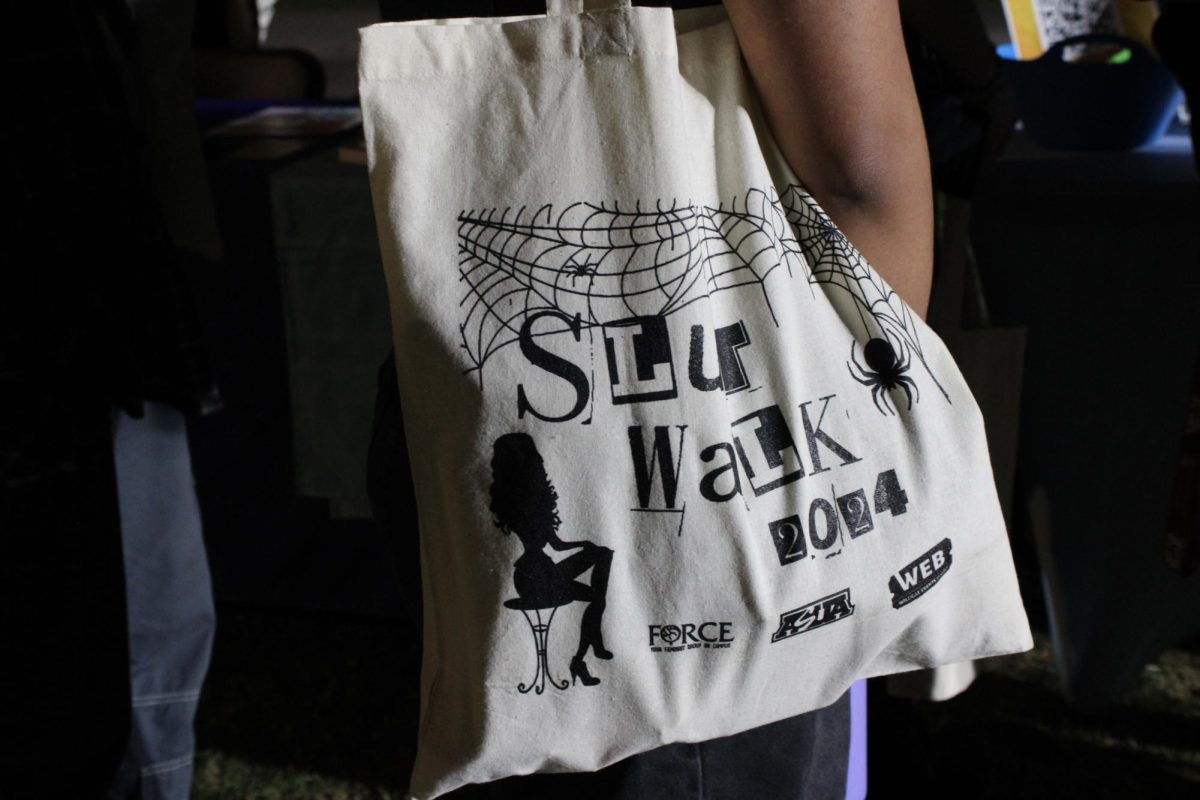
169	601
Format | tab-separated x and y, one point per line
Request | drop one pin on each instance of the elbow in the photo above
863	177
878	181
872	163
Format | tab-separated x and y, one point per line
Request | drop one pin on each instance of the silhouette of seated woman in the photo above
525	503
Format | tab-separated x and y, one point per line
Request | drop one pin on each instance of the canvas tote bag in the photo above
685	465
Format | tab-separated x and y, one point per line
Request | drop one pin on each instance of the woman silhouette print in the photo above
525	503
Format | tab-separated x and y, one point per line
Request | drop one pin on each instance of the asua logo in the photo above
820	612
920	576
690	635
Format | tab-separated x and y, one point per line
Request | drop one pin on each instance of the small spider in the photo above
576	270
886	372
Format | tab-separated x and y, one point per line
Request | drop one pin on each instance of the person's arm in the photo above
558	544
838	94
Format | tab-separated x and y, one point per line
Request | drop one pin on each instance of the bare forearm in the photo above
559	544
837	91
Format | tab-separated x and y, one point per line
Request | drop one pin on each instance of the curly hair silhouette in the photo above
523	499
525	502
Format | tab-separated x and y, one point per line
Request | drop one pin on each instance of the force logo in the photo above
690	635
817	613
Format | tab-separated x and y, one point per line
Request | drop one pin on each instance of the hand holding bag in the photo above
685	464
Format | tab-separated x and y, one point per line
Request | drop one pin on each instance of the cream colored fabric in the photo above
576	213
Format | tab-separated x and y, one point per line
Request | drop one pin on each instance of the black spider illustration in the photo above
884	371
577	270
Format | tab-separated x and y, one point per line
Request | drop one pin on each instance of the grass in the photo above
1015	735
220	776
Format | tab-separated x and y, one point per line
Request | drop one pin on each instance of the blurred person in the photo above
100	358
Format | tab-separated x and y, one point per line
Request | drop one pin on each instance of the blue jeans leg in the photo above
170	604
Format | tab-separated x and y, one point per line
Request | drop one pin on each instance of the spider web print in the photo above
604	263
601	263
834	261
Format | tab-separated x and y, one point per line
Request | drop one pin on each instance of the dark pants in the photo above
801	758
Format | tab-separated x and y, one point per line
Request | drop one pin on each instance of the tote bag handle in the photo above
562	8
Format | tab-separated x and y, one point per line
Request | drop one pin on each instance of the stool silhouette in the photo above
540	627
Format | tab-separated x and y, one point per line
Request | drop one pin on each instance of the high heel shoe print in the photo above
579	670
